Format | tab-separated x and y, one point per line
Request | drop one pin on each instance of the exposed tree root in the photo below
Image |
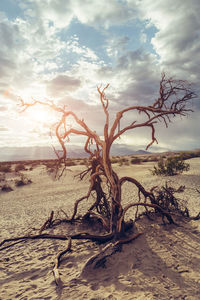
197	217
96	261
32	237
99	260
78	236
57	263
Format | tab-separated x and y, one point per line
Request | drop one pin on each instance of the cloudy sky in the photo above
63	49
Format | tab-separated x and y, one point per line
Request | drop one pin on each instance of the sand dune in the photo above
163	263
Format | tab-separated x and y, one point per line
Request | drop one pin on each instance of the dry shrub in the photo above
22	181
5	168
20	167
6	188
170	166
136	160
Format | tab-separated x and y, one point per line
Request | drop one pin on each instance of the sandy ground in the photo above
163	263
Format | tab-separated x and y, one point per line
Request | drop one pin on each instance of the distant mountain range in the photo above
36	153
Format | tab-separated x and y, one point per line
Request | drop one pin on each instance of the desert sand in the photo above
163	263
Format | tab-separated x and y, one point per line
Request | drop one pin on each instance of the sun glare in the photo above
41	115
38	113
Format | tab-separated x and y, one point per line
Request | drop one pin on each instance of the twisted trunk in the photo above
115	191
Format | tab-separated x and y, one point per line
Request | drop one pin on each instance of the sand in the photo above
163	263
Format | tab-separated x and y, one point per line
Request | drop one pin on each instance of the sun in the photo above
38	113
41	114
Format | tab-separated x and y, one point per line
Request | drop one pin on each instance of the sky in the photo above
61	50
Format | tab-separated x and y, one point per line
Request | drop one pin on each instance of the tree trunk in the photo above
115	190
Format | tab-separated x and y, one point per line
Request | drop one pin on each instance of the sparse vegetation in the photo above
153	158
114	160
167	199
70	163
189	154
22	181
170	166
5	168
123	161
6	188
136	160
20	167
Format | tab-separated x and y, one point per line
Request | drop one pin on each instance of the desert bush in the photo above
6	188
145	159
166	198
170	166
70	163
153	158
136	160
5	168
123	161
188	155
20	167
114	160
22	181
2	177
81	162
49	164
86	162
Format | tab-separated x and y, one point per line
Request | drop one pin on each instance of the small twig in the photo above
48	222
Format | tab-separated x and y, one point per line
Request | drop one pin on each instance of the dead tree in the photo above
174	99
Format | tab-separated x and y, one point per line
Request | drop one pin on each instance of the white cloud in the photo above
38	55
73	45
135	77
177	41
92	12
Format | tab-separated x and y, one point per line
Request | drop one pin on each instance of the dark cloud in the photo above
61	85
177	40
11	42
137	75
93	115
